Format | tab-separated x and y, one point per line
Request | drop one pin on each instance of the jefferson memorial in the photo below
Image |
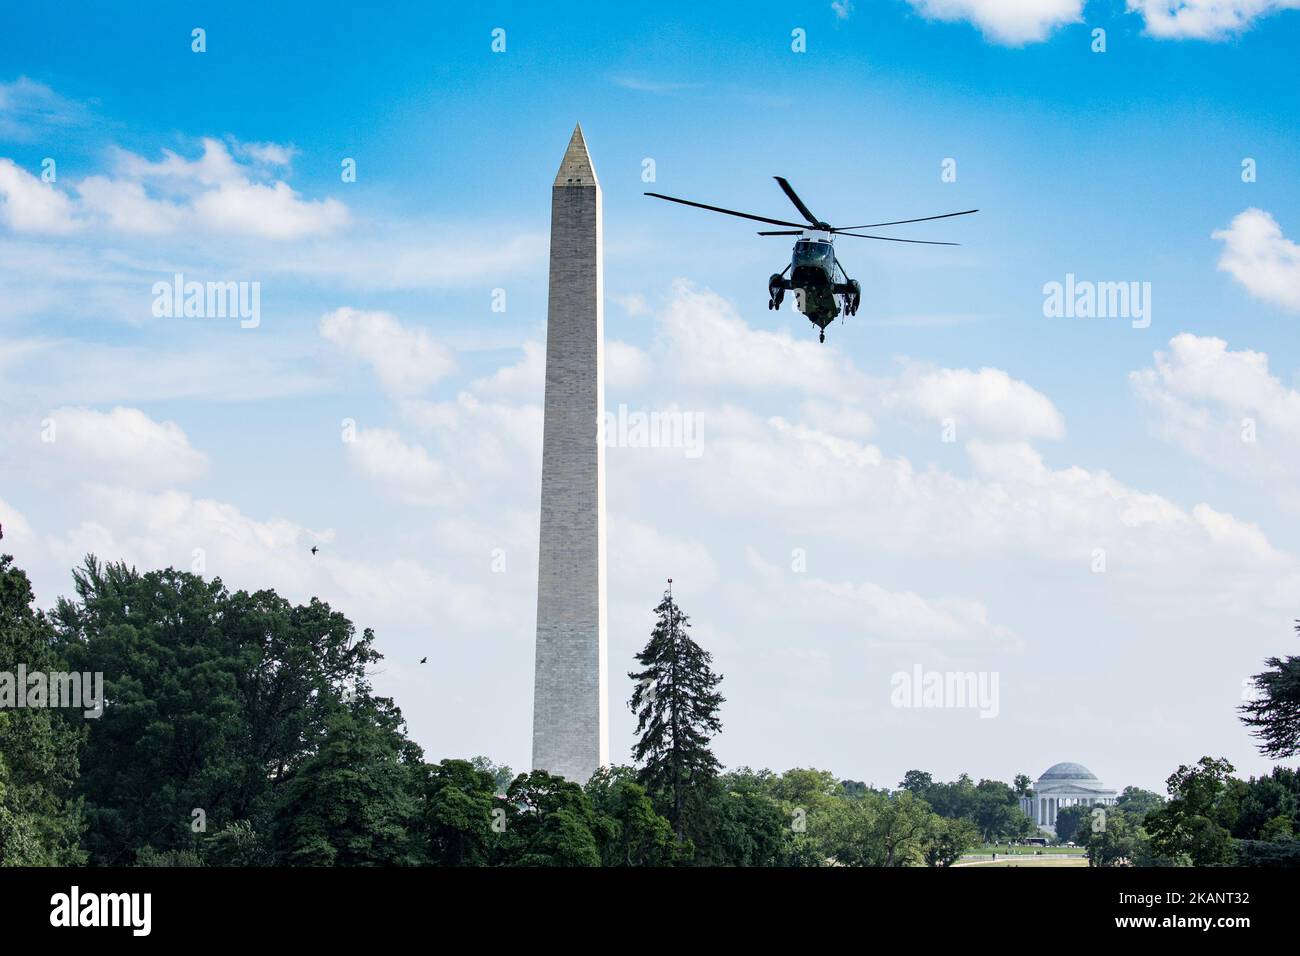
1064	785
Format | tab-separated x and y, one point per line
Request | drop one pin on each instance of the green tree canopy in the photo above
216	700
1196	821
353	803
40	747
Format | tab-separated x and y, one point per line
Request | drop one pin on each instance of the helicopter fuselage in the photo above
812	279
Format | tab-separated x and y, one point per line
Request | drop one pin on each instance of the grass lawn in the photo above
1074	860
1001	850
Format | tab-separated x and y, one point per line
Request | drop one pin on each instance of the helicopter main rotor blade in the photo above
798	203
783	232
900	222
729	212
919	242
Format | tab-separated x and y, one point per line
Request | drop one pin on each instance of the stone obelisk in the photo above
570	726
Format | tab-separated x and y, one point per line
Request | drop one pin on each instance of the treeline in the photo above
1210	819
241	730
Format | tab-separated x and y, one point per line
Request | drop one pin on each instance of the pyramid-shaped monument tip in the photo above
576	168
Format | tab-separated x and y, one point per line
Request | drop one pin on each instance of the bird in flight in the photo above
424	660
314	549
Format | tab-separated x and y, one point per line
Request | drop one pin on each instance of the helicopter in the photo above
823	290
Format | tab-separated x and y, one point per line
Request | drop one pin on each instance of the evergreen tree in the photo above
1274	717
676	703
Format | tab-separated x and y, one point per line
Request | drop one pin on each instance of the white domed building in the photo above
1064	785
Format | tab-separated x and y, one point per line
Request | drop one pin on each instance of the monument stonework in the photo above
570	711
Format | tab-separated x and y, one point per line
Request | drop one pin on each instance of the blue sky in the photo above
973	555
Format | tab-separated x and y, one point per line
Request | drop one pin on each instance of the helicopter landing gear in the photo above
776	291
851	291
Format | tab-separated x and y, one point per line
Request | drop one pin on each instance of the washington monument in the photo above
570	712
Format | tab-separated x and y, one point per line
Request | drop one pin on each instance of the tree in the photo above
40	747
1070	820
1267	799
745	825
1115	842
996	812
900	827
550	822
1202	808
1138	802
917	781
845	832
353	802
1024	787
216	700
957	799
676	703
457	813
1277	830
237	844
631	833
1274	715
501	774
945	840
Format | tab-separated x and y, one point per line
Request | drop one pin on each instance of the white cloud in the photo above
27	108
407	360
525	380
1258	256
124	206
1227	409
878	615
986	402
224	197
491	442
214	194
1011	22
1204	19
405	470
712	345
708	346
18	535
626	366
640	553
29	205
271	154
904	615
123	444
156	530
272	211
